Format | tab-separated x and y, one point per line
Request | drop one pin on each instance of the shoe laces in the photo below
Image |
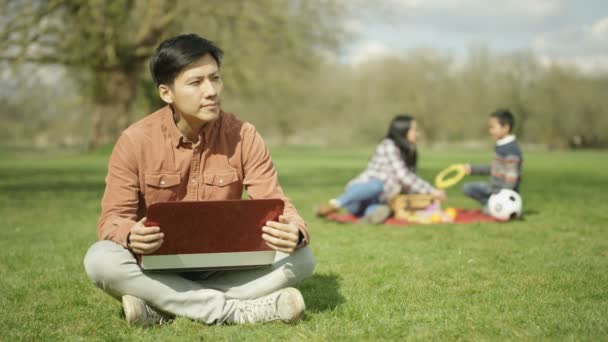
156	316
259	310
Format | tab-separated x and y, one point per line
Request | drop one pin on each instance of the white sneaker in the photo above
377	216
286	305
138	313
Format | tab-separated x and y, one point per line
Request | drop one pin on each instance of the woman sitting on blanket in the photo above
391	171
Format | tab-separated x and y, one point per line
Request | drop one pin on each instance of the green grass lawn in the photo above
544	277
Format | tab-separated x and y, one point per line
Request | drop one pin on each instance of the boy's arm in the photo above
261	180
481	170
507	172
409	179
120	200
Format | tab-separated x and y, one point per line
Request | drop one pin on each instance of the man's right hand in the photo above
145	240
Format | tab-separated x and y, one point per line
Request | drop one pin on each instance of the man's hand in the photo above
281	236
145	240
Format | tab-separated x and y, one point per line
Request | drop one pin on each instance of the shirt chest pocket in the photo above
222	185
162	186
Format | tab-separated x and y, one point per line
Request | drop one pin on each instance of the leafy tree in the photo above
112	40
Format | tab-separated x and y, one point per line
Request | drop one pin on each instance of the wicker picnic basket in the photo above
411	202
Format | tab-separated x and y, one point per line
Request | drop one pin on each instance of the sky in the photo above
555	31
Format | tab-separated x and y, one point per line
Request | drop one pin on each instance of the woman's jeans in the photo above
361	198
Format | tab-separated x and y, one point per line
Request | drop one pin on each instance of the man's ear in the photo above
165	93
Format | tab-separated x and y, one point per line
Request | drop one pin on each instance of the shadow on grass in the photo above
55	180
530	212
322	292
60	186
526	213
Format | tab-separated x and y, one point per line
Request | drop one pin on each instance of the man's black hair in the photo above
175	54
504	117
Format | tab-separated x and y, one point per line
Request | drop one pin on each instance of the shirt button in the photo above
194	180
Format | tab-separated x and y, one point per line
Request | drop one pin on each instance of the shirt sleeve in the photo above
409	180
508	171
121	197
261	180
480	170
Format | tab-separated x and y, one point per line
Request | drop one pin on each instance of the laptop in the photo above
211	235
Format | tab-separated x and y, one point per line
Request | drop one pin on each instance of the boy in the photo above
505	171
192	150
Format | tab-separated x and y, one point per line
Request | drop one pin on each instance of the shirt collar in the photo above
176	137
508	139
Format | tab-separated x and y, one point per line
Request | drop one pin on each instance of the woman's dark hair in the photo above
397	132
175	54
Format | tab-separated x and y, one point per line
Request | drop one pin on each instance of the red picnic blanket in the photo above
462	216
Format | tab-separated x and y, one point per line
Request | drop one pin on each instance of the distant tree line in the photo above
554	106
74	73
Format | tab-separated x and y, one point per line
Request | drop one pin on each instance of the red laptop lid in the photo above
213	226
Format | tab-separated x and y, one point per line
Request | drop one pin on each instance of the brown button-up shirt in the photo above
153	162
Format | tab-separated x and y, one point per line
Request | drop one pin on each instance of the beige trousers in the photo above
210	297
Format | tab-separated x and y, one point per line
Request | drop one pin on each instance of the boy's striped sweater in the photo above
506	169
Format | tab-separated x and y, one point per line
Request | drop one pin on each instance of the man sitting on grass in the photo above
174	154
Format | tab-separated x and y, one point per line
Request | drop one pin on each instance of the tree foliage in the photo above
280	72
112	40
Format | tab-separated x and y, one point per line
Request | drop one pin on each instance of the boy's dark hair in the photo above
504	117
176	53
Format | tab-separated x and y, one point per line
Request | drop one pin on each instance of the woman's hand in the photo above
440	195
281	236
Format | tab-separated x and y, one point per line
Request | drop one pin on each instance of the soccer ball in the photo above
505	205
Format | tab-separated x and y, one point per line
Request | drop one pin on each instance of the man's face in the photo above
196	91
497	131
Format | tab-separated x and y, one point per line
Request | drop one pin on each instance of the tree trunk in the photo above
114	93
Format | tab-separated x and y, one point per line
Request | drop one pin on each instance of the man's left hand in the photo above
281	236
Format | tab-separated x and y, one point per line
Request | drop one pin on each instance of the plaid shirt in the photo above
387	166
